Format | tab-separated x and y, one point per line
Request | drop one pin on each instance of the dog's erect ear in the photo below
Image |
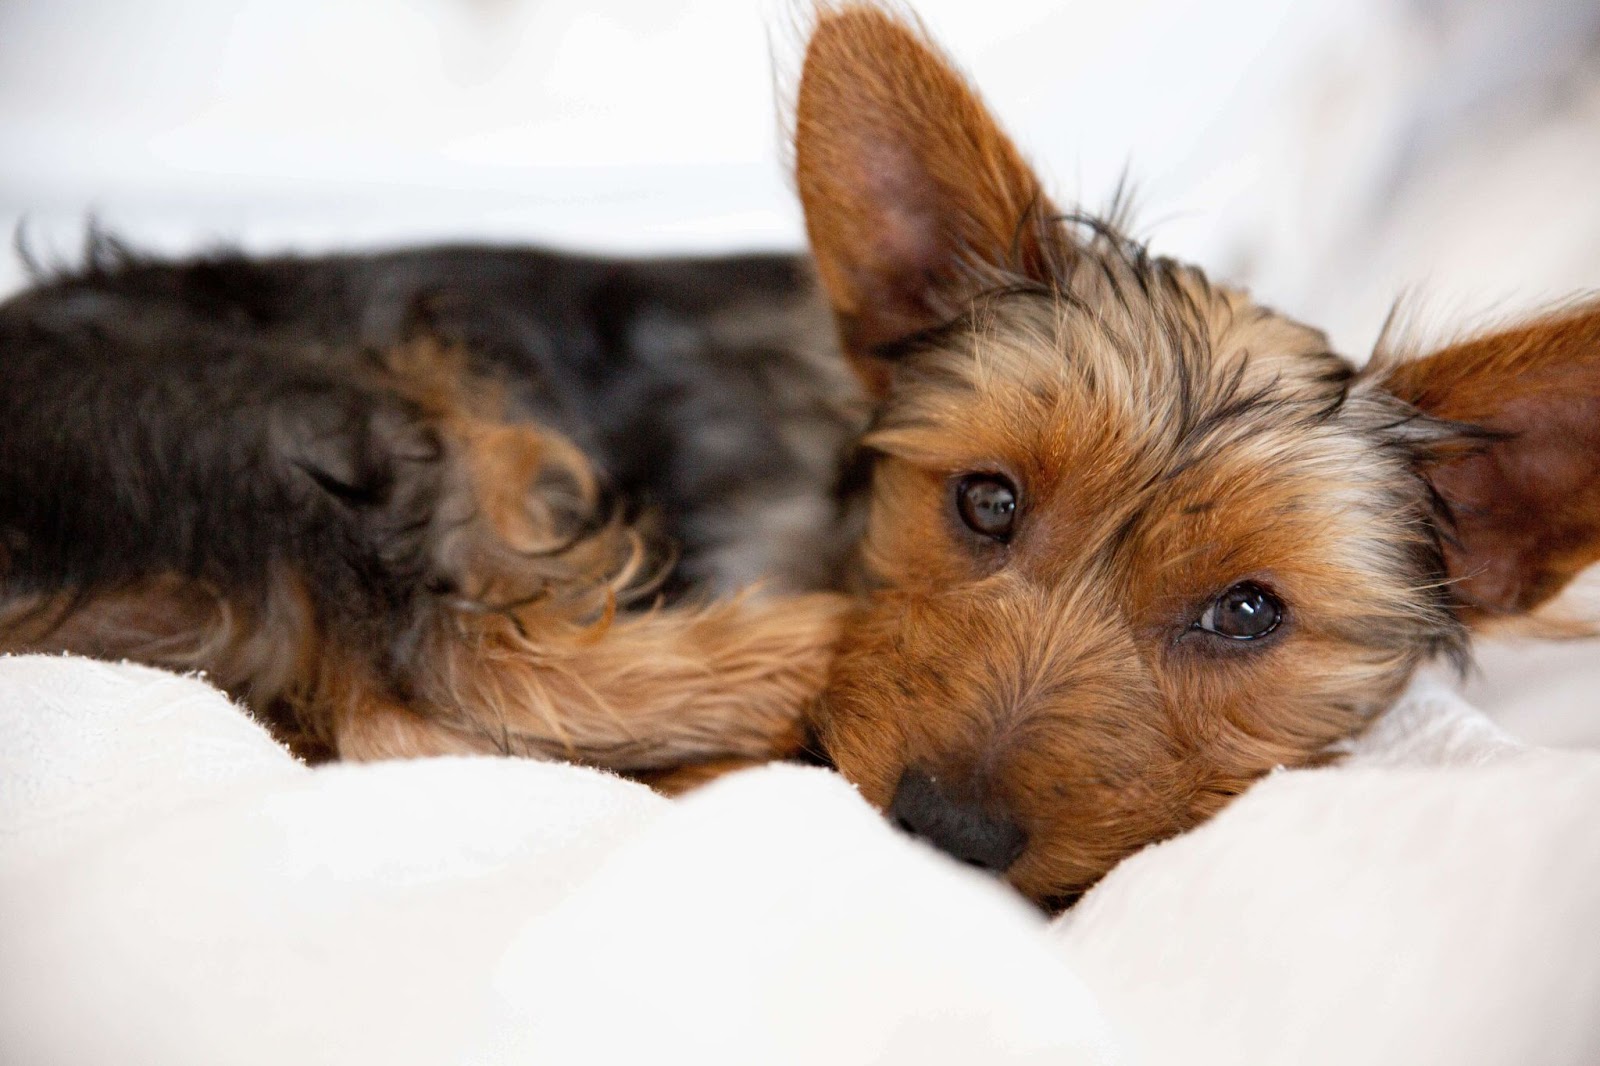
1526	499
913	195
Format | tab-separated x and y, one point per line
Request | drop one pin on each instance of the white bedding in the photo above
174	888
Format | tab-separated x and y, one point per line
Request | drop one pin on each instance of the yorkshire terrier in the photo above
1059	545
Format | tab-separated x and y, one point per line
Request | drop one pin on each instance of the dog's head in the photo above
1135	540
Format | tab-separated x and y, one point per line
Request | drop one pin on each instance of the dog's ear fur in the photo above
1523	502
915	200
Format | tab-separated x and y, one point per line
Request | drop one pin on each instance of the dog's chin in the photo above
1052	873
1057	905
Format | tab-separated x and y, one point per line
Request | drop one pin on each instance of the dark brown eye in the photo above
988	504
1246	611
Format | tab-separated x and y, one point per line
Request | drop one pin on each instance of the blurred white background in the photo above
1333	154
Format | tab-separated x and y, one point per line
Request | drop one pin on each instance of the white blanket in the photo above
174	888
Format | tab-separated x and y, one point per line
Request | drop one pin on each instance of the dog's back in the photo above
707	392
367	492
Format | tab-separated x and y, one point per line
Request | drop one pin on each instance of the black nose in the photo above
964	830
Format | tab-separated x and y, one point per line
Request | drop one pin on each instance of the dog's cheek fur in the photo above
1094	739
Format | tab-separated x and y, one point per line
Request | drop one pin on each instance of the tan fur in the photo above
1169	439
262	651
897	194
655	690
1056	675
1526	501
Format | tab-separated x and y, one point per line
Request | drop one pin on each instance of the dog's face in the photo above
1122	572
1134	539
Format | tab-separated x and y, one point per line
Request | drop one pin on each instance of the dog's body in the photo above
1124	539
312	416
708	392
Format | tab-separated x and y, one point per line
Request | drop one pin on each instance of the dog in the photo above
1050	545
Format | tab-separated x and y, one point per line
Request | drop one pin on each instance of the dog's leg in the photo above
657	690
671	691
532	656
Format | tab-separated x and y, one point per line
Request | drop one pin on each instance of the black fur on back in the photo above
218	417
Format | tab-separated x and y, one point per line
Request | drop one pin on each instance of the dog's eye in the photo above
988	504
1246	611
